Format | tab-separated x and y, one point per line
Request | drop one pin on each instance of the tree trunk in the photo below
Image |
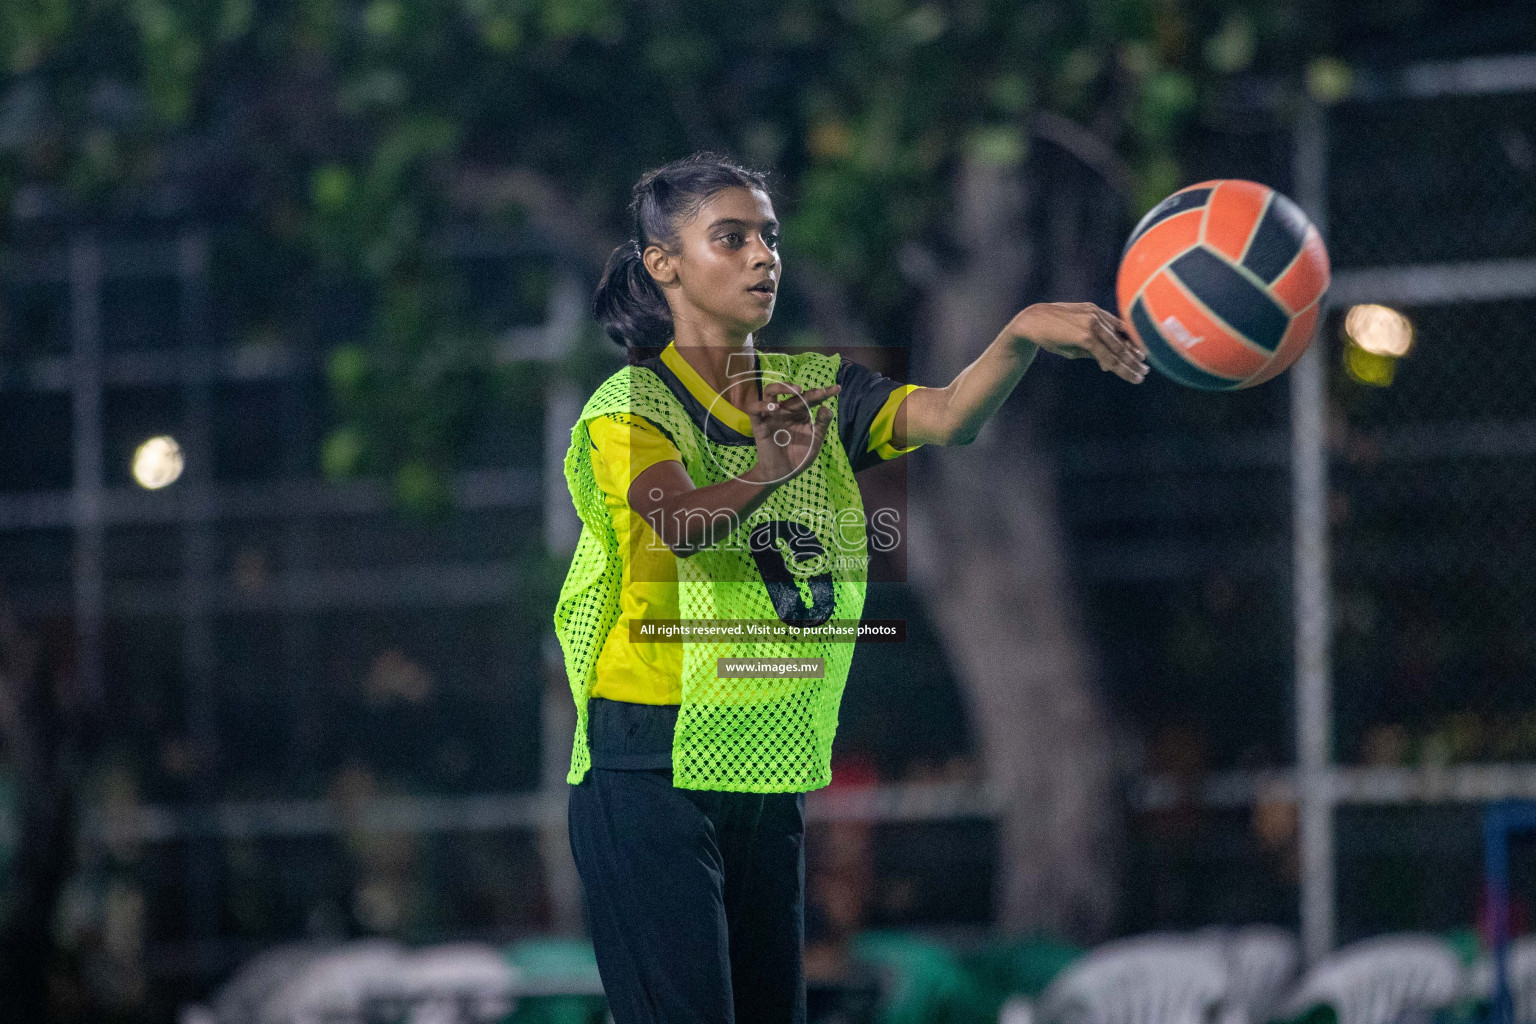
987	556
39	735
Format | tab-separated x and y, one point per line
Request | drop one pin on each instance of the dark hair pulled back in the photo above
628	301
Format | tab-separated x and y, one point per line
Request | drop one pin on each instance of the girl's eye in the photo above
733	238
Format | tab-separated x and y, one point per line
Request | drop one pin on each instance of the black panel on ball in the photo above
1176	203
1245	307
1168	360
1277	240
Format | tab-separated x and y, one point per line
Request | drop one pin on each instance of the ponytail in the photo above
628	301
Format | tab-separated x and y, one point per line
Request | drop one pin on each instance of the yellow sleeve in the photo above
625	446
883	427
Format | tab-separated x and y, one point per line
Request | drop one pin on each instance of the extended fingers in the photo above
774	398
1098	341
819	422
817	395
1131	346
1122	355
777	397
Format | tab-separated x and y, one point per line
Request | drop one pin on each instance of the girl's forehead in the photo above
751	206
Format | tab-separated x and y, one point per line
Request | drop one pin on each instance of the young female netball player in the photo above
715	484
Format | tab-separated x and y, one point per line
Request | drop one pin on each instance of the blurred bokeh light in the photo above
1379	330
158	463
1376	338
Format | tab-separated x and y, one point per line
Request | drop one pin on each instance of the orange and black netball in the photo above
1222	282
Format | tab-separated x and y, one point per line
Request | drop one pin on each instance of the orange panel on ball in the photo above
1305	280
1232	215
1203	341
1297	337
1153	251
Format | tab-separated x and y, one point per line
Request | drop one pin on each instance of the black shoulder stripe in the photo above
864	393
715	430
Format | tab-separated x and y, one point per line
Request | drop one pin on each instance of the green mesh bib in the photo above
801	555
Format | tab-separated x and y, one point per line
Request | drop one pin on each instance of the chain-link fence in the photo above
1180	509
1433	452
1431	209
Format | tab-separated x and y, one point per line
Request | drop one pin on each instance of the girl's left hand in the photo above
1081	330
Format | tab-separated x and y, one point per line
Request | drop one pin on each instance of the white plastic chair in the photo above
1149	979
459	983
1261	963
240	999
1382	980
336	985
1017	1010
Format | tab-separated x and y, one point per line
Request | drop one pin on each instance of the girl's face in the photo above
726	270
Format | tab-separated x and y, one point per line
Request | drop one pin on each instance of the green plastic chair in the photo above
549	963
923	981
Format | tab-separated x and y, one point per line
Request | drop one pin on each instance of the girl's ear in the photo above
661	265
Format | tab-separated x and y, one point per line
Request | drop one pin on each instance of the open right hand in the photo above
1081	330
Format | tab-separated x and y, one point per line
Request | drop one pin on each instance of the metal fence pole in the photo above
562	527
86	399
1312	591
199	650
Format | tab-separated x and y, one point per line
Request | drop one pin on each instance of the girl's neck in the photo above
718	357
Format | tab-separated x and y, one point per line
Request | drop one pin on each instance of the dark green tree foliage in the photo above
350	136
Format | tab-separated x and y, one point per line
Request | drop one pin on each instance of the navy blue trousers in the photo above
695	899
